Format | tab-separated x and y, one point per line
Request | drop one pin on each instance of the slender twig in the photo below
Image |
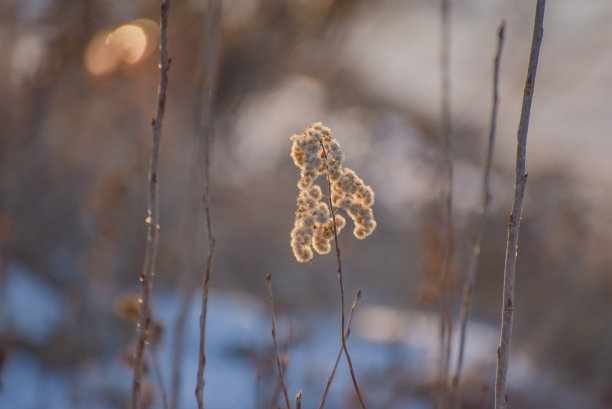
446	301
347	334
146	277
209	89
470	279
298	400
158	375
514	221
333	216
281	374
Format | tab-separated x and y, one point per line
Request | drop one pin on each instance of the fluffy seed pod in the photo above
316	153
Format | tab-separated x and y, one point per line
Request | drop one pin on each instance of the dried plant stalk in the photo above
281	374
158	375
347	334
446	301
316	153
213	19
333	218
146	277
470	279
514	221
298	400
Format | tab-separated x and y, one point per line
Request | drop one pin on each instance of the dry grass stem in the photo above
514	221
298	400
203	124
158	376
347	333
470	279
146	277
281	374
205	84
446	302
208	92
342	312
316	153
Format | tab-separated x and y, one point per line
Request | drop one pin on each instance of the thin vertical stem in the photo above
514	221
209	89
281	374
146	277
346	353
158	375
470	279
446	302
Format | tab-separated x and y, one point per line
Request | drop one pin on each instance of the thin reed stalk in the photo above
347	334
279	365
152	220
333	217
207	126
446	296
514	221
158	375
470	279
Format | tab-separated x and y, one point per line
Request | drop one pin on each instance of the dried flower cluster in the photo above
316	153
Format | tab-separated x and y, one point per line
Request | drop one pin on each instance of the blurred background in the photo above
79	90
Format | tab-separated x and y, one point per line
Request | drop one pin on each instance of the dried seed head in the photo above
316	153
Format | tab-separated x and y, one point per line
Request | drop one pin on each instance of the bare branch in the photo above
276	351
470	279
514	221
208	91
146	277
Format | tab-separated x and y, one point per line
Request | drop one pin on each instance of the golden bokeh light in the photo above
129	44
129	41
99	58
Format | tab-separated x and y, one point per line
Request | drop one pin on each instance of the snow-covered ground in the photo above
383	340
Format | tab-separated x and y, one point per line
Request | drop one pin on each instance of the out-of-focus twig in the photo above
514	221
276	351
446	302
204	123
347	333
298	400
146	277
209	89
158	375
470	279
